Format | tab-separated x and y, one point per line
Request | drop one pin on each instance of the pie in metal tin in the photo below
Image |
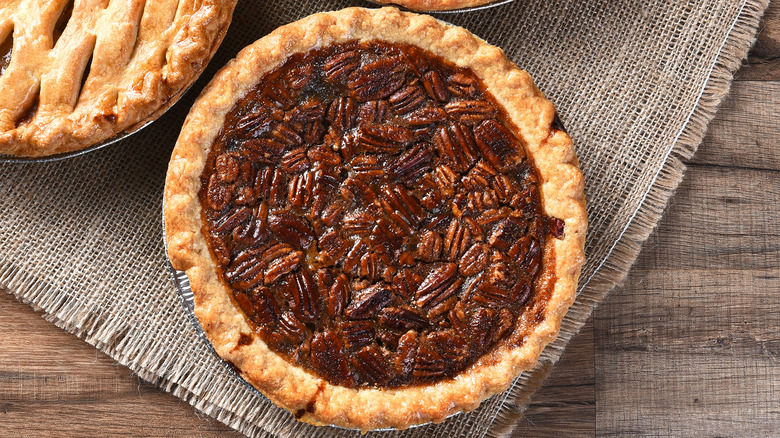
75	74
380	215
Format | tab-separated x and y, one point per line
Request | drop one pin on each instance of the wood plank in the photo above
763	63
744	131
725	220
52	384
689	345
566	404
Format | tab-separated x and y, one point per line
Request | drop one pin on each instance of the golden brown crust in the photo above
291	387
436	5
141	56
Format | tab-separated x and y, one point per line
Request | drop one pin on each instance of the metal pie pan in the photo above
5	158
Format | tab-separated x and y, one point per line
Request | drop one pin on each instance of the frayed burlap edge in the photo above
614	269
67	313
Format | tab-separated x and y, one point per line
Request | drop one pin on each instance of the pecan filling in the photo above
374	216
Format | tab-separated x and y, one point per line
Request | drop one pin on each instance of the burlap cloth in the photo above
635	82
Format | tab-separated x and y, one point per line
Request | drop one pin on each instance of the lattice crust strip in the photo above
77	72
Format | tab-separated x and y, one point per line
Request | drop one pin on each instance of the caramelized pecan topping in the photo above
375	216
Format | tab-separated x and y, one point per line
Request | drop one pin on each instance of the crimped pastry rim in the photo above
290	386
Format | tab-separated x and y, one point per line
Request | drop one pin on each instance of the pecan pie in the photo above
436	5
381	218
75	73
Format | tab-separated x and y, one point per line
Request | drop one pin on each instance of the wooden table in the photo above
689	346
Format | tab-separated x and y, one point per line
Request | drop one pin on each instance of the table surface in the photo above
689	345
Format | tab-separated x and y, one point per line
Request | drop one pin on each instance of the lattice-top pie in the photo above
436	5
75	73
380	216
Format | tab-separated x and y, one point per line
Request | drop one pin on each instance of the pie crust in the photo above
436	5
308	396
79	75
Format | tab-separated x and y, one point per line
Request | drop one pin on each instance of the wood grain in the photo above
54	385
566	405
763	63
688	346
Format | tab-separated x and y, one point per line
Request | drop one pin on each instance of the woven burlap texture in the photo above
635	83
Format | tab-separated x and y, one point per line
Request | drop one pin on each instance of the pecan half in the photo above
402	318
251	233
265	308
462	85
427	115
295	161
377	79
369	301
254	125
428	362
245	271
338	67
406	353
435	86
474	260
412	164
504	322
291	229
281	259
227	223
291	328
357	334
327	355
218	194
301	189
440	284
409	98
457	146
497	144
430	246
374	112
384	138
452	347
338	295
324	155
372	365
457	240
488	294
227	168
403	209
481	326
305	296
367	166
342	114
470	111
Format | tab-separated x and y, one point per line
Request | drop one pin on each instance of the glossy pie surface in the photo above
374	215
